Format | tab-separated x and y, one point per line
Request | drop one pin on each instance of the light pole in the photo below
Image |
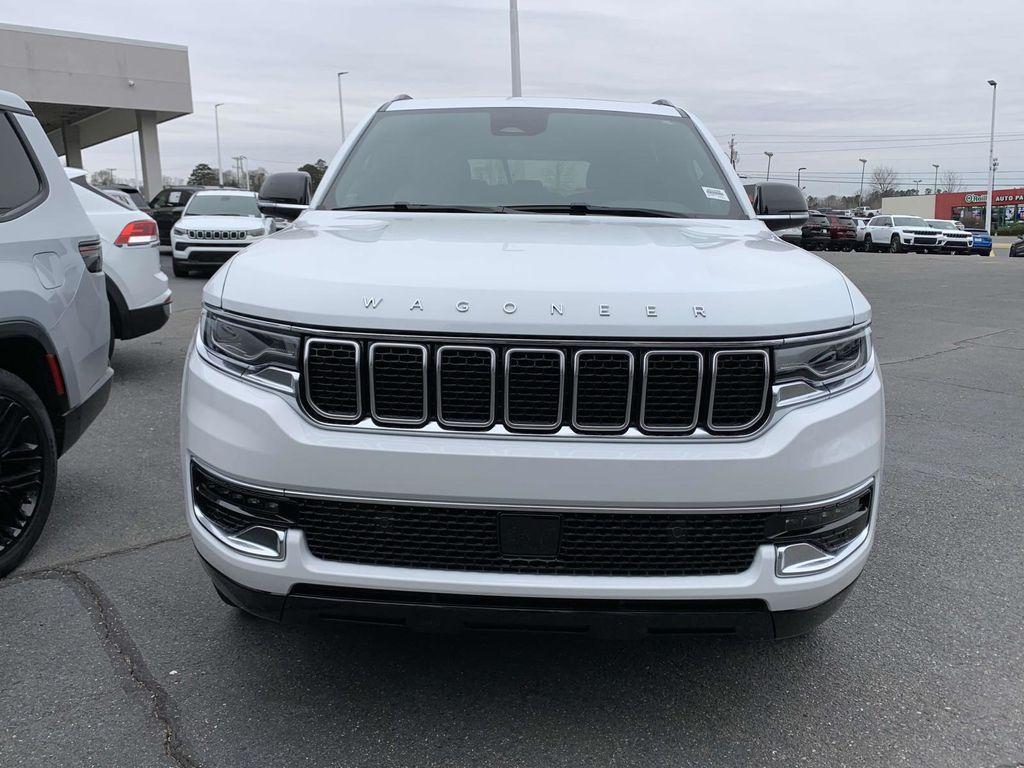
513	31
860	195
769	155
245	170
801	168
917	186
991	167
935	189
216	124
341	108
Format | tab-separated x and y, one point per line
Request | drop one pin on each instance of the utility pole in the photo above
341	108
798	170
935	189
733	155
860	195
513	28
991	163
216	125
244	162
769	155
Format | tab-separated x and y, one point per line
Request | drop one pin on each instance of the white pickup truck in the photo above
535	364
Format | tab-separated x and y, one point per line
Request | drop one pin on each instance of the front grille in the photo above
398	383
924	240
739	386
218	234
467	539
591	543
538	388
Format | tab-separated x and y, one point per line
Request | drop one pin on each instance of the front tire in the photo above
28	469
895	246
868	247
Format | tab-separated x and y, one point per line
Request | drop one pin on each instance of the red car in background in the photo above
842	233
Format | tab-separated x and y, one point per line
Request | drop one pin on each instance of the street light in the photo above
769	155
216	124
801	168
935	189
341	108
917	186
991	166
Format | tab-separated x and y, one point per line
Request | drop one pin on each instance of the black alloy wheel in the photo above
868	248
28	469
895	246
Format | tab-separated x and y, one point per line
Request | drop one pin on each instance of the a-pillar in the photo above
149	152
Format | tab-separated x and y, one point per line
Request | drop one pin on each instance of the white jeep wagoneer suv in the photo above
535	364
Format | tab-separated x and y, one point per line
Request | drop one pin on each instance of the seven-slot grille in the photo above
538	388
211	234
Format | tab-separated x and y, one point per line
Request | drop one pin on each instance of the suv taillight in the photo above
142	232
92	254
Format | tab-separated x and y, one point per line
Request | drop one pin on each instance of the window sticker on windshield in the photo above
713	193
175	197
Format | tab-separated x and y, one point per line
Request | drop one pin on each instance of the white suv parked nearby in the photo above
535	363
215	225
54	326
140	301
898	234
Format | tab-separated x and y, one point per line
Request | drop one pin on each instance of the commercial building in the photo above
969	207
87	89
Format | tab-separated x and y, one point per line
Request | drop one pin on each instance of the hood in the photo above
220	222
537	275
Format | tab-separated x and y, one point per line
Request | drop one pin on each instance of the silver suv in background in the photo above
898	234
54	326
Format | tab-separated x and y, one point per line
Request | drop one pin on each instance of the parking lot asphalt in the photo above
117	652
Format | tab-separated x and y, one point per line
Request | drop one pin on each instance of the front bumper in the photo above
260	437
204	253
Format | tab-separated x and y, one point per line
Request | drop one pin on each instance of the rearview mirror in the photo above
777	204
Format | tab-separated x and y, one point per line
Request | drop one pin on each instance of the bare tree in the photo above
883	179
952	182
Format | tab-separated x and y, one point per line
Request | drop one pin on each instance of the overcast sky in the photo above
899	83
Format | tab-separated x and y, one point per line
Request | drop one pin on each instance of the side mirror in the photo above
777	204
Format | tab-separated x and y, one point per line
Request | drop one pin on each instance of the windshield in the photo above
941	224
222	205
489	159
908	221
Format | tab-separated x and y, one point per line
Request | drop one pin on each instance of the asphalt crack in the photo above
957	345
127	660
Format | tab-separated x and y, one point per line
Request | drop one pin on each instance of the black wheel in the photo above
868	248
28	469
180	270
987	253
895	246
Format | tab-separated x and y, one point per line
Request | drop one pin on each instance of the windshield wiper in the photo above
584	209
422	208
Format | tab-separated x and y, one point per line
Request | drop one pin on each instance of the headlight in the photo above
179	231
824	362
255	232
249	348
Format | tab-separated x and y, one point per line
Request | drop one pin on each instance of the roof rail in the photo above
399	97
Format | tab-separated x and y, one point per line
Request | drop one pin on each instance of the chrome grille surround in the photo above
545	400
379	347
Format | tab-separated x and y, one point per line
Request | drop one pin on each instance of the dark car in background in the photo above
133	192
167	207
815	235
842	233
